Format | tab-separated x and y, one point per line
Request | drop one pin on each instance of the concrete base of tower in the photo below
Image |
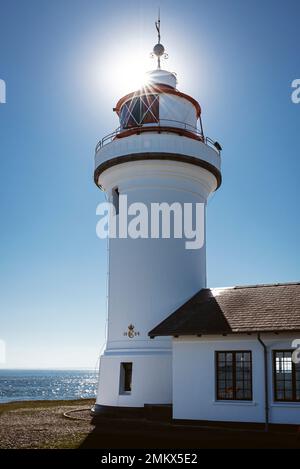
154	412
131	379
117	411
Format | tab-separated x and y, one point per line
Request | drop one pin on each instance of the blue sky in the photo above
65	64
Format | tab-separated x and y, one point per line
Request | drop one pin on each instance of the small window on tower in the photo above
115	199
140	110
125	378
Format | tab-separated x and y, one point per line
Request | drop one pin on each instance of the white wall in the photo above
151	379
148	279
194	363
160	143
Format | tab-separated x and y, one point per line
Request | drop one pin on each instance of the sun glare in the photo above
134	78
129	73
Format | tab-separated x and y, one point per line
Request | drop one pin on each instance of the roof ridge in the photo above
258	285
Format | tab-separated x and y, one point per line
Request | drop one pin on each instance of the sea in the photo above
34	385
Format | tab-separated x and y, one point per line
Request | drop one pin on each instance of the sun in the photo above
134	77
129	72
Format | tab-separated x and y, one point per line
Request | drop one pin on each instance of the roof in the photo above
257	308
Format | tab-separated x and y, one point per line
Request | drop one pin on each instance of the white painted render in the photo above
148	279
161	77
149	142
194	363
151	378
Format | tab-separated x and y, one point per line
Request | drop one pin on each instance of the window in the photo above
286	375
115	199
140	110
125	378
234	375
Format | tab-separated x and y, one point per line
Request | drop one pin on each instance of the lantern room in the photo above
159	106
159	120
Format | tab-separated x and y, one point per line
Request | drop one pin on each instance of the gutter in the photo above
266	382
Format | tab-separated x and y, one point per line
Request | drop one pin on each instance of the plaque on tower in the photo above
131	333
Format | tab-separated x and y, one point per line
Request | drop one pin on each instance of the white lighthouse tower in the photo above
158	154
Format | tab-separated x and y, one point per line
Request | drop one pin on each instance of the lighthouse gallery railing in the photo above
162	123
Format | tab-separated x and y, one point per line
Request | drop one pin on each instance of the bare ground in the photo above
43	425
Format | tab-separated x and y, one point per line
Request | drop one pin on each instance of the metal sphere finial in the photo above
158	50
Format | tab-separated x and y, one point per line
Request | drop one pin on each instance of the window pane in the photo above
288	395
128	375
125	377
248	394
136	111
130	113
287	386
149	109
280	395
140	110
240	393
243	375
234	375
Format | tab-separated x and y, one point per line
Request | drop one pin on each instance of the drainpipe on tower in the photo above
266	382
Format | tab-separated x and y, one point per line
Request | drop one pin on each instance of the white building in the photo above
234	347
208	357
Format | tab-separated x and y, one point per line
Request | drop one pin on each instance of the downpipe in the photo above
266	382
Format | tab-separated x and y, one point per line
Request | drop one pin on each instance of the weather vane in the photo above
158	49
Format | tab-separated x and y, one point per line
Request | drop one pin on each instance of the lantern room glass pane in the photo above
140	110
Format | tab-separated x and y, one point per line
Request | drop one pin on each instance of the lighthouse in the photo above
158	155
